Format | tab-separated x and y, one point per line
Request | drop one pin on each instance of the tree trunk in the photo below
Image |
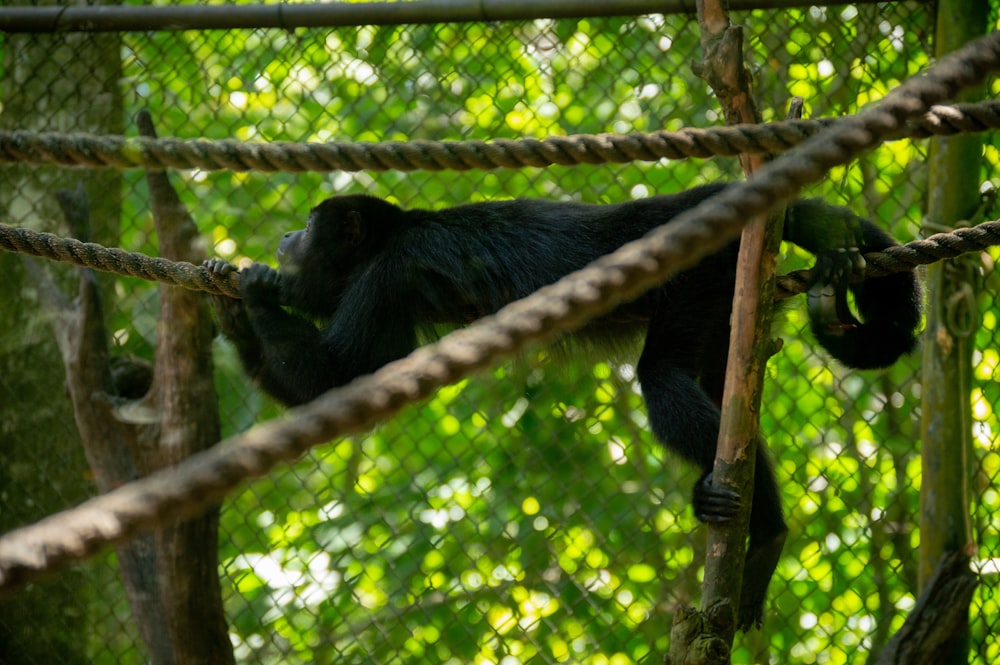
65	82
953	194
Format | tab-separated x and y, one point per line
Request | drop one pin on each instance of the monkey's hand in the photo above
218	266
260	286
713	504
827	296
230	311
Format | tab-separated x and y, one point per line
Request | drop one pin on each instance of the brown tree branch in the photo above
108	443
749	349
941	612
185	401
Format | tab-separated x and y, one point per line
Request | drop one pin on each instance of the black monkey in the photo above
375	275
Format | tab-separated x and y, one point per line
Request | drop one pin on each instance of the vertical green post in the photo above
953	196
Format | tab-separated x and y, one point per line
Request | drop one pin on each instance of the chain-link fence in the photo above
525	515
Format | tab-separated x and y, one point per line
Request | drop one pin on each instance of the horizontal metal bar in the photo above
127	18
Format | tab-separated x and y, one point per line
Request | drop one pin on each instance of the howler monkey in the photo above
374	275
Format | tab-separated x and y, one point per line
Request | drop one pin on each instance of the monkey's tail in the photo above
890	313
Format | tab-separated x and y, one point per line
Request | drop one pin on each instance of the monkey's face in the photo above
324	245
292	250
316	262
342	236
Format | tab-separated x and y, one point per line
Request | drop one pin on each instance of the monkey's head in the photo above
343	233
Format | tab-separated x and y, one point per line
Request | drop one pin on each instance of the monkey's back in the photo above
471	260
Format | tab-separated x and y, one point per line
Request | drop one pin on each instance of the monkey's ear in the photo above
354	230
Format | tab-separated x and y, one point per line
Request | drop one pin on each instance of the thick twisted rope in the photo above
179	273
120	152
109	259
929	250
205	478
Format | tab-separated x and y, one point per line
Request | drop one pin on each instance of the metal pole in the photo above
123	18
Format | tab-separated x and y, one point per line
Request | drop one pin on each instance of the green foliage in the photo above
470	527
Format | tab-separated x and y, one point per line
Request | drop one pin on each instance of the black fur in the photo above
375	275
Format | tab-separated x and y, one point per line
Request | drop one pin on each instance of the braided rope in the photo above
203	479
180	273
141	152
922	252
110	259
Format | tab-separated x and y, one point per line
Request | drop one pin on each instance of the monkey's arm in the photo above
234	322
279	350
296	361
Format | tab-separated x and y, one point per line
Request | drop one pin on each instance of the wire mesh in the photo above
525	515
